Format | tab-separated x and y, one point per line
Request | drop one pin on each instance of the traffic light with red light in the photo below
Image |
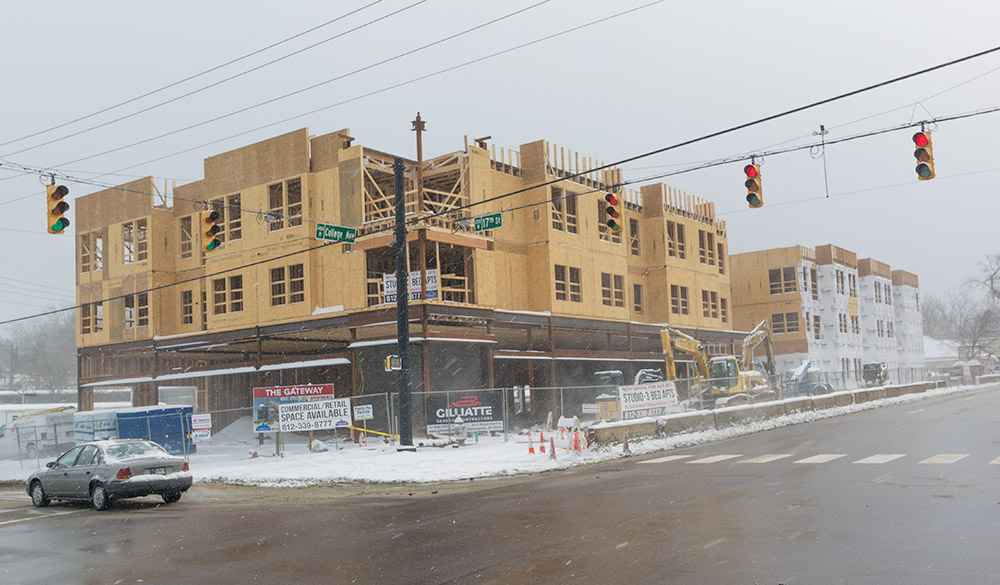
615	211
923	151
755	195
210	227
56	207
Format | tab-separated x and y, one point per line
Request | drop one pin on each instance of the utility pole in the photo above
402	313
419	126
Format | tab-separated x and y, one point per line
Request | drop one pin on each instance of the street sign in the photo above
490	221
335	233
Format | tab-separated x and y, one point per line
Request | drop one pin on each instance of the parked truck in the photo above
38	434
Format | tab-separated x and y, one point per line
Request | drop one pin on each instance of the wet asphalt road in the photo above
905	494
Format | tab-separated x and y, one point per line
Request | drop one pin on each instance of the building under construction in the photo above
548	299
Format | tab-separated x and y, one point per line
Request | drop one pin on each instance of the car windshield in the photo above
126	451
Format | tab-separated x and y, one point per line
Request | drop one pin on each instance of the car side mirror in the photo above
50	464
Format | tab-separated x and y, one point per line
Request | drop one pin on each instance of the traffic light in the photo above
210	227
923	151
615	209
755	195
56	207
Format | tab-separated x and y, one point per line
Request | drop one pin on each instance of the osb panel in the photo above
263	162
324	149
110	206
869	266
904	278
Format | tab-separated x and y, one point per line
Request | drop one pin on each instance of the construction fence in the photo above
437	417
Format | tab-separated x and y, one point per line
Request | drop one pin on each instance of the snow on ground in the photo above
229	459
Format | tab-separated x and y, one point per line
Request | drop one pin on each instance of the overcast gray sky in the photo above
664	74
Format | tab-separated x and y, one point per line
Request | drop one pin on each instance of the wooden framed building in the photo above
547	300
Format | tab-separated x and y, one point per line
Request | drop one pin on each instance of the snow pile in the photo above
233	460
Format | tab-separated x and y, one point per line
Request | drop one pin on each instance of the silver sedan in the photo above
102	471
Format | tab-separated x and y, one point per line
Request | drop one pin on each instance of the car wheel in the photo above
99	497
31	452
171	497
38	495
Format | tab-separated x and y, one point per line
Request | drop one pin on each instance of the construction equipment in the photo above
874	373
723	380
806	380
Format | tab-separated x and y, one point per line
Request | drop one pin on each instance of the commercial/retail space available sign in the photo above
478	411
267	400
415	288
653	399
314	415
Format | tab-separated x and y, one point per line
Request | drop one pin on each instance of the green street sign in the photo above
335	233
490	221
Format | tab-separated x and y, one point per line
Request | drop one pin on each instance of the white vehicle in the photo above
46	432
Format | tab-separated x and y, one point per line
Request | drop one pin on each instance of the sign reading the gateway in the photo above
267	400
479	411
654	399
314	415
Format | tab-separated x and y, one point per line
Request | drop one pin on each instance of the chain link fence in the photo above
469	415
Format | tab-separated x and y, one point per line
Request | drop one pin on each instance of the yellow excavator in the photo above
722	380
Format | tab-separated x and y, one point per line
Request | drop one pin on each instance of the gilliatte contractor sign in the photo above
266	401
479	411
655	399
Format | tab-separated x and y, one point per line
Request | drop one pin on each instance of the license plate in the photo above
157	470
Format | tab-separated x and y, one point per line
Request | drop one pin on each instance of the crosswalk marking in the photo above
880	458
666	459
823	458
714	459
939	459
944	458
767	458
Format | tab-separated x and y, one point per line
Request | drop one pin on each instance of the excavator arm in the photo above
759	334
674	340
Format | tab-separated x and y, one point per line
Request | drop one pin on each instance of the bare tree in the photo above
937	322
45	350
973	322
989	275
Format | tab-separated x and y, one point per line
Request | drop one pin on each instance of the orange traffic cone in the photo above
576	442
531	445
363	441
626	449
552	444
541	441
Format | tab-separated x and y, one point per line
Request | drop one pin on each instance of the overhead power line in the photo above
287	95
196	75
362	96
425	218
579	174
